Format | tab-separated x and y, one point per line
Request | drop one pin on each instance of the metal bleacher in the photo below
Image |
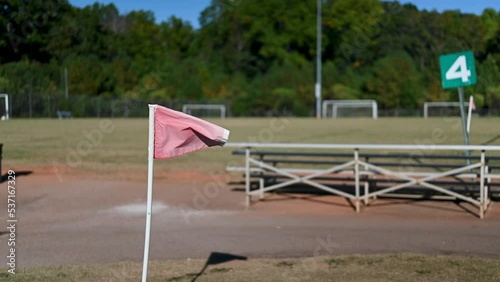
398	169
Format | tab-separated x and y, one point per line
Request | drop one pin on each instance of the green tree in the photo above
395	82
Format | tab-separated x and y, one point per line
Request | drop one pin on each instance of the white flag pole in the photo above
149	208
471	101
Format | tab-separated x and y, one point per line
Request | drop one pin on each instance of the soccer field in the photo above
106	160
120	145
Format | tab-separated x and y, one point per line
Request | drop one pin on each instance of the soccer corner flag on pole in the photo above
472	105
176	133
172	134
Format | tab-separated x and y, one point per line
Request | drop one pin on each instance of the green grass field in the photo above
49	142
401	267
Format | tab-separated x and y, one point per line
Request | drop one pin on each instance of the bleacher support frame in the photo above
361	168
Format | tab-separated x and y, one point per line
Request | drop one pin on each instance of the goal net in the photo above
205	110
4	107
350	108
442	109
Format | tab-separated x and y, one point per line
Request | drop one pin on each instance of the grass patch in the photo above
220	270
187	277
48	142
335	262
423	271
288	264
400	267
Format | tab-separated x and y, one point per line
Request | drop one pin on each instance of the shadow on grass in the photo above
213	259
217	258
5	177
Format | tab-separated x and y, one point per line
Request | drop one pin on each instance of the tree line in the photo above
259	55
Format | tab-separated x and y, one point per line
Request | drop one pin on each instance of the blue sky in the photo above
190	9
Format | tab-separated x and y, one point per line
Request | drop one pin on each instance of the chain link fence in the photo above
27	105
47	106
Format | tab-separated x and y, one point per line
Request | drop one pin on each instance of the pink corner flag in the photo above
177	133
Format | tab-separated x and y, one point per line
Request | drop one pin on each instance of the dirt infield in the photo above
83	220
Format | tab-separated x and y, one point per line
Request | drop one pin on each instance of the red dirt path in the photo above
82	220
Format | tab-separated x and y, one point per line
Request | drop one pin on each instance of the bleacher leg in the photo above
356	177
482	200
247	176
366	193
261	187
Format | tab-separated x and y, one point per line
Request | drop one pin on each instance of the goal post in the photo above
442	105
335	105
5	115
188	108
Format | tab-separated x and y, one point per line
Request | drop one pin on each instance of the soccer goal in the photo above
350	108
4	109
205	110
442	109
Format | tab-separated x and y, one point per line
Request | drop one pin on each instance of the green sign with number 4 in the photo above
457	70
